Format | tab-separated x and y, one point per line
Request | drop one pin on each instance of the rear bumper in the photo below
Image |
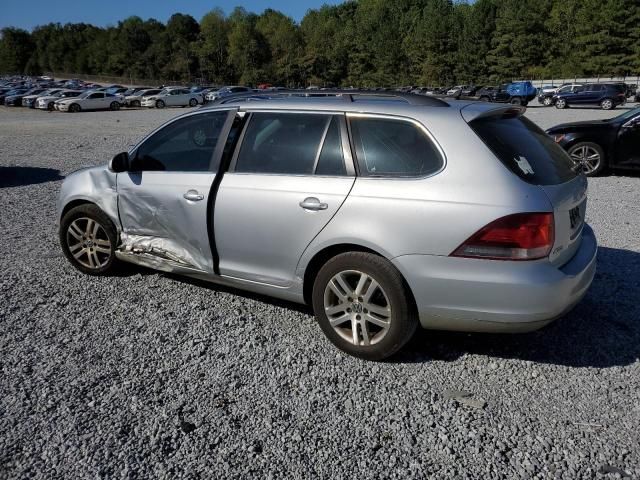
497	296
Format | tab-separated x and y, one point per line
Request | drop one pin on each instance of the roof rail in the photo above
347	95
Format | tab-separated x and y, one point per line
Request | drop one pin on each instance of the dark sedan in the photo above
10	93
15	100
599	144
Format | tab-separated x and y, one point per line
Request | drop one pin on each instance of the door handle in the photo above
193	196
312	203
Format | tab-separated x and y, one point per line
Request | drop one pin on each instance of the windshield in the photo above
626	115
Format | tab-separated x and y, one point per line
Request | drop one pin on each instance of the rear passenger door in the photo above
289	176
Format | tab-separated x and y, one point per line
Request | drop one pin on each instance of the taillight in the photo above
522	236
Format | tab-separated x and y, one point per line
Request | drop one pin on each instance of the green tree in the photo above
16	48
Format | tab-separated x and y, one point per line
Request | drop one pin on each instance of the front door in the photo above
628	148
289	176
163	200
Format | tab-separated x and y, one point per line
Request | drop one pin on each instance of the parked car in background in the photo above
456	91
30	100
226	91
597	145
48	102
607	96
471	90
275	197
15	100
549	98
135	99
516	93
547	89
172	97
91	100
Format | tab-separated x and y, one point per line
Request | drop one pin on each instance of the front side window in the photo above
291	143
393	148
186	145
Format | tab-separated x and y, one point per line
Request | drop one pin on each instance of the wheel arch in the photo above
75	203
321	257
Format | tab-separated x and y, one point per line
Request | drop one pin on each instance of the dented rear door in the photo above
165	198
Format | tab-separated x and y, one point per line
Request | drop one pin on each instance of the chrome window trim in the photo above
401	118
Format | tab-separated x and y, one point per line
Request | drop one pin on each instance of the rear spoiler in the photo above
477	110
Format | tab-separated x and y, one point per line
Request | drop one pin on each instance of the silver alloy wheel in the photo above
193	102
357	307
606	104
587	158
547	101
561	103
88	243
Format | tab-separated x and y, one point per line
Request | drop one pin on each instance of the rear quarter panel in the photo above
433	215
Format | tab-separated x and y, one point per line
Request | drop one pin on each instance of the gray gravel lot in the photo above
145	375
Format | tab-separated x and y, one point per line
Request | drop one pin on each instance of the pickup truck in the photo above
517	93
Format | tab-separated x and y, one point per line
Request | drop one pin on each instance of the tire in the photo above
74	108
193	102
561	103
115	106
516	101
607	104
485	99
50	107
135	103
394	321
584	154
547	102
88	239
160	104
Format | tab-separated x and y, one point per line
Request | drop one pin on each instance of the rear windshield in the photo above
525	149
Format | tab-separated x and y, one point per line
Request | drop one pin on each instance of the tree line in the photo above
356	43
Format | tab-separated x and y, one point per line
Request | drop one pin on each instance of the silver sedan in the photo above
382	214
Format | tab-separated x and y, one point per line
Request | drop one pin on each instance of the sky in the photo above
31	13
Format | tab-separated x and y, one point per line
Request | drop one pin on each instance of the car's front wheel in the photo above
135	103
89	239
547	101
74	108
589	157
160	104
193	102
516	101
114	106
561	103
363	306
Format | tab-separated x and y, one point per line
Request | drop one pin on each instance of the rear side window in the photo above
393	148
525	149
291	143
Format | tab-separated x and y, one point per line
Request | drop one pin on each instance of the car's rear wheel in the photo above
589	157
363	306
547	101
516	101
160	104
114	106
606	104
89	239
74	107
561	103
135	103
193	102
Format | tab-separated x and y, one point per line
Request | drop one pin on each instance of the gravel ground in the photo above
149	376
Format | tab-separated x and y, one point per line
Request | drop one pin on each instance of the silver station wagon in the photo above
381	211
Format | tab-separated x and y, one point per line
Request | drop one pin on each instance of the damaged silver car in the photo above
382	211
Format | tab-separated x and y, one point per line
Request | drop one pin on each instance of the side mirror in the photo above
119	163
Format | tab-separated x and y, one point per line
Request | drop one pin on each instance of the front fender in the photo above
93	185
